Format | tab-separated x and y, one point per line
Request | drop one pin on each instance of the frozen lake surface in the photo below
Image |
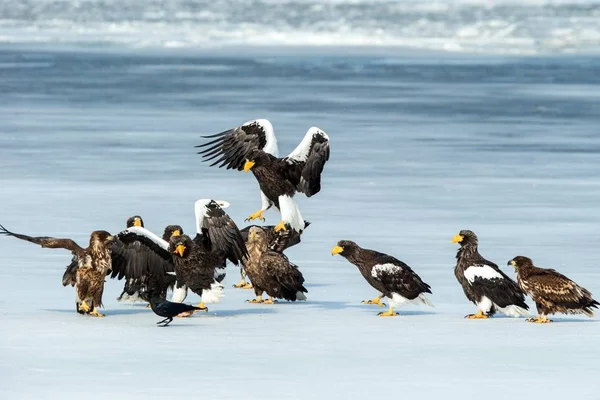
423	145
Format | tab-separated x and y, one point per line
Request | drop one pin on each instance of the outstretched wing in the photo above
46	241
230	147
276	240
139	255
305	164
223	233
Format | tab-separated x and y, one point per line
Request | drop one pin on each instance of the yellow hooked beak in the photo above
513	263
176	232
137	222
457	238
251	235
248	165
336	250
108	239
180	249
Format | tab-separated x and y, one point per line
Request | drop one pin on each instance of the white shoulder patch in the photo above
388	268
481	271
271	145
138	230
300	153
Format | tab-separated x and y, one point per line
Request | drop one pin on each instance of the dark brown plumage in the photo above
271	272
253	146
484	283
87	270
144	261
552	292
388	275
276	240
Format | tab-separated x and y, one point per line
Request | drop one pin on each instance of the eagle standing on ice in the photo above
88	267
552	292
390	276
484	283
253	146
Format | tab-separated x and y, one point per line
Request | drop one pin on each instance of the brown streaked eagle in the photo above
552	291
277	241
253	146
271	271
87	270
484	283
388	275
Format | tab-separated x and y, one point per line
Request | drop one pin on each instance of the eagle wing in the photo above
139	255
553	286
230	147
305	164
277	241
494	284
287	274
398	277
223	233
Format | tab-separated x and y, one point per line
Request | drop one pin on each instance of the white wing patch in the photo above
300	153
388	268
481	271
138	230
271	145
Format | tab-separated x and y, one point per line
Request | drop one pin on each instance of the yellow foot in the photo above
247	286
243	285
256	215
148	306
388	313
376	300
280	227
84	307
95	313
270	300
479	315
202	306
539	320
257	300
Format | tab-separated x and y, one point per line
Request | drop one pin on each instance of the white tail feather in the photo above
423	299
290	213
214	294
300	296
513	311
179	294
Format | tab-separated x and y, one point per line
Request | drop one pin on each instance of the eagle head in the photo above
465	237
256	234
255	158
344	248
521	262
172	230
180	245
100	237
136	220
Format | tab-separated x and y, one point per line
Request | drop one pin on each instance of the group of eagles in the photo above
151	265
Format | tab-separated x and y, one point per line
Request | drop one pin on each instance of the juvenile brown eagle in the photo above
87	270
270	271
253	146
484	283
552	292
388	275
276	241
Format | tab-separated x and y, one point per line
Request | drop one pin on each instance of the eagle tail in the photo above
300	296
425	300
513	311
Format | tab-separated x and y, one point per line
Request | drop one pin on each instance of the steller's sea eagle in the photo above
484	283
388	275
87	270
552	292
253	147
270	271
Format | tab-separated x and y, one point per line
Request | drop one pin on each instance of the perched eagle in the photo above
484	283
253	146
552	292
271	271
277	241
87	270
143	259
388	275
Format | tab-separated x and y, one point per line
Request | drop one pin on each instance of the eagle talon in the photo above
256	215
388	313
376	301
201	307
84	307
258	300
95	313
479	315
280	226
539	320
270	301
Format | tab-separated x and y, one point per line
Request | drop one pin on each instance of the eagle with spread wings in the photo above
253	147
